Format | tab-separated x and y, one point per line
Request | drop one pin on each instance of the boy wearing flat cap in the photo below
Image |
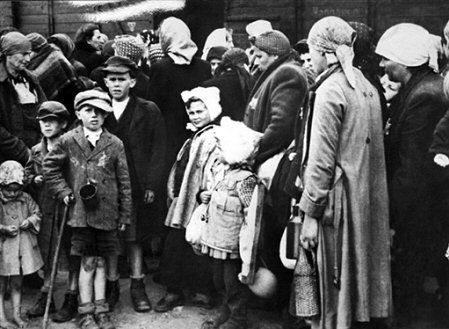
52	117
140	126
89	157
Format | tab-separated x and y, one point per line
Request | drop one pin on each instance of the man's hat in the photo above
119	64
52	109
95	98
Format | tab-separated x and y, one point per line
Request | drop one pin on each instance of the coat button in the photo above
14	216
368	140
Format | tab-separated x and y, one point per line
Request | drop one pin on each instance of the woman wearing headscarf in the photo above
179	70
233	81
20	96
344	198
415	184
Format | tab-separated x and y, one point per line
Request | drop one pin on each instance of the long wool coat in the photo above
19	129
72	163
345	188
20	254
142	131
273	104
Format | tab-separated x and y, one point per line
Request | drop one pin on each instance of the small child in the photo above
53	118
226	219
90	155
19	224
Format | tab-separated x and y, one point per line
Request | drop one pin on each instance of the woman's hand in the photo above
25	224
38	180
309	233
205	197
10	230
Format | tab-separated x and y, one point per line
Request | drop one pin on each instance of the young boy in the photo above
52	117
140	126
89	155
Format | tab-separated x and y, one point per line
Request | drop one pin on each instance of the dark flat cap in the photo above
52	109
119	64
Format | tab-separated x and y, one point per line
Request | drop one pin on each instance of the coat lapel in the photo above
82	141
136	115
104	141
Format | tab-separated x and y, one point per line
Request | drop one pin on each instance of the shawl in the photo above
53	70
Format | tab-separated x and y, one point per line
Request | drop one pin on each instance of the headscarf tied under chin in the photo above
14	43
334	37
408	44
210	96
176	41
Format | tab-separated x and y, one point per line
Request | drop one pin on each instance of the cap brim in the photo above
116	69
50	115
99	104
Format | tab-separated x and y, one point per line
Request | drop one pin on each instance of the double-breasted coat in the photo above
345	189
20	254
72	163
142	131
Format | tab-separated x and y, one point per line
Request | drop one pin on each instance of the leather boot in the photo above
139	297
69	308
38	308
112	293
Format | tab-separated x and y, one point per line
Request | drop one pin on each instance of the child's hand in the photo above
122	227
68	199
10	230
25	224
441	159
205	197
38	180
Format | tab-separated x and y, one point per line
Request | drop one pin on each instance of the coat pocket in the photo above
333	212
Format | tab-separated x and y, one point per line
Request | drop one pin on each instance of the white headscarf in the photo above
210	96
176	41
408	44
335	37
218	38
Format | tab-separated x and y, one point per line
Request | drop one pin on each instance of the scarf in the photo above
176	41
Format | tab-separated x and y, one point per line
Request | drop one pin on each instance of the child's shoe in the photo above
87	321
139	297
38	308
104	322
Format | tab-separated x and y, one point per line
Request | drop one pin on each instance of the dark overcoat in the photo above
72	164
19	129
167	81
142	131
274	101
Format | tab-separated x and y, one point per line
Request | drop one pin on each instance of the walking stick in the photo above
55	266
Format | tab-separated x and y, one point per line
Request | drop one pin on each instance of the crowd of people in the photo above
313	175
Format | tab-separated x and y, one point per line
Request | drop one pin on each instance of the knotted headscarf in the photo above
217	38
408	44
14	43
176	41
334	37
210	96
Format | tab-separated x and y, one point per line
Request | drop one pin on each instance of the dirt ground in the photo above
183	317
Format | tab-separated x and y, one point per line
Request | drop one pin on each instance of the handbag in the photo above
194	229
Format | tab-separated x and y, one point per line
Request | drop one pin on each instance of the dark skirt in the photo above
181	268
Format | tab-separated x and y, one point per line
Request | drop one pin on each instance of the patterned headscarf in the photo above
130	47
408	44
14	43
334	37
176	41
11	172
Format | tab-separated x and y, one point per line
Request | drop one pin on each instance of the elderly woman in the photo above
20	96
344	201
415	183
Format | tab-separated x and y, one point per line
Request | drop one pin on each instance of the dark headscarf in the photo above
37	41
14	43
64	42
365	57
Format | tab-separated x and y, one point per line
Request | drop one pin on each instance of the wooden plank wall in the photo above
296	17
6	17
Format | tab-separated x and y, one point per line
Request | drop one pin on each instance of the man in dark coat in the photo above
20	96
407	58
139	124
